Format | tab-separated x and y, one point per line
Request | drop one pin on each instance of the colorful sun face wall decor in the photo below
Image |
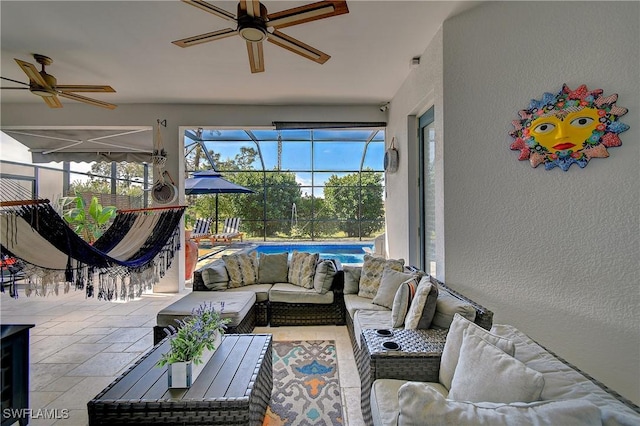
573	126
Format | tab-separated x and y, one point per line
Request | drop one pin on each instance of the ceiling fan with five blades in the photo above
46	85
254	24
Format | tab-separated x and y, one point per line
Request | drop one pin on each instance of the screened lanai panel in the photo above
296	155
374	156
312	177
234	154
331	156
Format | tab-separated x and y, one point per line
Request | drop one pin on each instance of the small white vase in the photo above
183	374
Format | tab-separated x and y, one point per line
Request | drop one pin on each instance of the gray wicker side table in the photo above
418	359
233	389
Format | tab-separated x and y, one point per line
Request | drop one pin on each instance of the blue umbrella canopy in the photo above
211	182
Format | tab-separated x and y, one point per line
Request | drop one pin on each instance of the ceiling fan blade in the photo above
32	72
84	88
14	88
204	38
296	46
252	7
15	81
256	56
52	101
86	100
207	7
307	13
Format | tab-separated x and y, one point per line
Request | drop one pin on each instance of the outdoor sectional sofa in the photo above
455	366
498	378
267	290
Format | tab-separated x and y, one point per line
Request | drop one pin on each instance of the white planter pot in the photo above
183	374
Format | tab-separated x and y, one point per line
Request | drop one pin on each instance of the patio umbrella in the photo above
212	182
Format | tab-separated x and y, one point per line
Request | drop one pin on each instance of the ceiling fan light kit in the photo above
254	25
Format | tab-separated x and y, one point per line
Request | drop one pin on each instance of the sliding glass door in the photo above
427	143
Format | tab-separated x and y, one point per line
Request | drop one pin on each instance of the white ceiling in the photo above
127	44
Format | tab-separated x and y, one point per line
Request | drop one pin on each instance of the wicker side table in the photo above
418	359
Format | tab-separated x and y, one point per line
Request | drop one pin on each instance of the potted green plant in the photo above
192	344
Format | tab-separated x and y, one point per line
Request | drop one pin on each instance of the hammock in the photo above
131	256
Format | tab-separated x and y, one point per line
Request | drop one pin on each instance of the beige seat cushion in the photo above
290	293
236	306
370	319
261	291
353	302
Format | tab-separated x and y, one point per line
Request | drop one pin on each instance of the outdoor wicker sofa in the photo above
489	390
420	348
279	301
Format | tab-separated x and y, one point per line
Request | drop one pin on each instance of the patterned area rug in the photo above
306	387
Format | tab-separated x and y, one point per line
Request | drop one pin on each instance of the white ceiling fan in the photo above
254	24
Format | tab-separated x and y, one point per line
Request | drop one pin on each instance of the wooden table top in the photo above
227	375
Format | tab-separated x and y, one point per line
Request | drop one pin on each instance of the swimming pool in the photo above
349	254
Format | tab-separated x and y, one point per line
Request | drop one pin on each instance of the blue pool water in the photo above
350	254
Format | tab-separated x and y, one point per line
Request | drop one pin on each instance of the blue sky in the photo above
334	151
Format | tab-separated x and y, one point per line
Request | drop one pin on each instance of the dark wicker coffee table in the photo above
233	389
418	359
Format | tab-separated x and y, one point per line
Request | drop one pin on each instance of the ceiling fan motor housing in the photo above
41	91
252	28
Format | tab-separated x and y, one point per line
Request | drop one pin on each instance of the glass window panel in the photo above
337	156
374	157
296	135
230	155
309	159
296	156
269	152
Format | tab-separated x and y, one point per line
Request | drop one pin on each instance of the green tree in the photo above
99	180
354	198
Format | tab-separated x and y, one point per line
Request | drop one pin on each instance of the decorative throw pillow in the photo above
351	278
451	351
389	284
273	268
420	404
402	300
215	276
302	268
325	273
423	306
371	274
447	306
486	373
242	268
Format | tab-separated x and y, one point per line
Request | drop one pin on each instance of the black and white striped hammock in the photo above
131	256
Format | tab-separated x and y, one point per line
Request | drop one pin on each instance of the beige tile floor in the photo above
79	345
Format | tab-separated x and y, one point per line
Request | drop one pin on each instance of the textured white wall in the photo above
421	90
557	254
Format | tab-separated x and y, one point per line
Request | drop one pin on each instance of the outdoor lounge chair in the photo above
201	229
230	231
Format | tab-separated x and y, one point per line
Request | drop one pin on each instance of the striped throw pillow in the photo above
402	301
